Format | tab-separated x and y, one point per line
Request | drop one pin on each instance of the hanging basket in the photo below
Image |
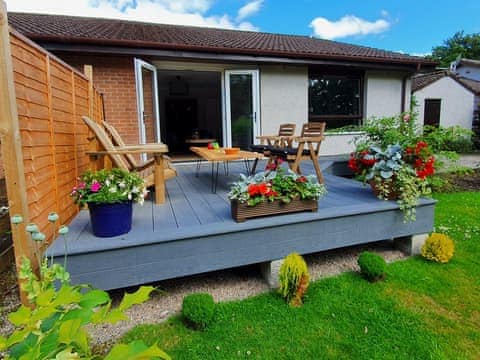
110	220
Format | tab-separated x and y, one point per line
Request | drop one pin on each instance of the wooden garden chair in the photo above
267	142
153	172
136	165
308	147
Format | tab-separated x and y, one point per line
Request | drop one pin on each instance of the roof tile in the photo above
60	28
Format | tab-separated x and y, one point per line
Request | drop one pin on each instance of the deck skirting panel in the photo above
149	262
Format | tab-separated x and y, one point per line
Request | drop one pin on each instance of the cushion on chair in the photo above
288	151
258	148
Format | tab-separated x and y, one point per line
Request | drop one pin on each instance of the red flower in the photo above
271	166
420	145
352	164
252	189
302	179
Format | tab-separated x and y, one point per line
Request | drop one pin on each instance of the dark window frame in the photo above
336	120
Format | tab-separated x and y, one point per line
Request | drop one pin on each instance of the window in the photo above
335	99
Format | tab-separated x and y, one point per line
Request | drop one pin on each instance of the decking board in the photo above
194	233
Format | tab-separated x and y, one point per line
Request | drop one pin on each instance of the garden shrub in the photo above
453	138
294	279
438	248
53	323
372	266
198	310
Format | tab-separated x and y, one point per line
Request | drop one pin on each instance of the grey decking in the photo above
193	232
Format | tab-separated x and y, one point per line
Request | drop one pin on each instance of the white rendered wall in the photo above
456	106
468	71
283	97
383	93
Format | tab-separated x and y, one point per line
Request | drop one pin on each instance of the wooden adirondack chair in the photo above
308	147
154	172
136	165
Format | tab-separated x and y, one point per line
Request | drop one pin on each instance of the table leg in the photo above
159	179
247	166
199	162
214	177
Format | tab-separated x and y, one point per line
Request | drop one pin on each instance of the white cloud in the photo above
249	9
347	26
181	12
384	13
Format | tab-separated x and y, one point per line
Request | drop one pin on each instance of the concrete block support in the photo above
411	245
270	271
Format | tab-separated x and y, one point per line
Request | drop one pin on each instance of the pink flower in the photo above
406	117
81	185
95	186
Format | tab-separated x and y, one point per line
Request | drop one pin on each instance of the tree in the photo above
467	46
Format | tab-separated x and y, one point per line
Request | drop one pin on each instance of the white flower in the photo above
135	190
113	189
121	184
129	196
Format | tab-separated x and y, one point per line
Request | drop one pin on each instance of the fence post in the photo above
12	146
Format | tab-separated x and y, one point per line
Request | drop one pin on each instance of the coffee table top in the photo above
219	154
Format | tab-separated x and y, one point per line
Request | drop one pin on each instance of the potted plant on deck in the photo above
397	172
274	192
109	195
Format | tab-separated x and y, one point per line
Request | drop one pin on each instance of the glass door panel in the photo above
242	107
147	102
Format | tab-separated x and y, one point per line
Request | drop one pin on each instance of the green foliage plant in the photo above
109	186
372	266
450	139
198	310
438	247
294	279
52	324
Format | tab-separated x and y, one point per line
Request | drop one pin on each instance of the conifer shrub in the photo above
372	266
438	248
198	310
294	279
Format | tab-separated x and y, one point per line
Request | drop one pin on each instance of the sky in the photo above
408	26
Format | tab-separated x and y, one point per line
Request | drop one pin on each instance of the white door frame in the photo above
139	64
227	120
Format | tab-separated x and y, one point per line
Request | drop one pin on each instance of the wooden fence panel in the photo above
51	98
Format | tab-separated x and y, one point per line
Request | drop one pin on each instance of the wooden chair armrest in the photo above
312	139
267	137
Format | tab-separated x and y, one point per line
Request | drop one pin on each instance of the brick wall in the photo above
114	77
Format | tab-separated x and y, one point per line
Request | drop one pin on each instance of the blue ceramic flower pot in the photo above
110	220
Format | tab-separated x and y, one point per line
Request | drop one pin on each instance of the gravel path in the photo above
226	285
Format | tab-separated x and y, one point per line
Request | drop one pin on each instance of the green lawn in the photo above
422	310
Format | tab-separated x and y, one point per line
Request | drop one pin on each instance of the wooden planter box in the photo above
241	212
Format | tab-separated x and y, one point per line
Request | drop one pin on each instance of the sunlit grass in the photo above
422	310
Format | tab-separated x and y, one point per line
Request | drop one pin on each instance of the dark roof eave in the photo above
233	51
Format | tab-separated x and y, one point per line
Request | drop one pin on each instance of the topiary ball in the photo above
372	266
439	248
198	310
